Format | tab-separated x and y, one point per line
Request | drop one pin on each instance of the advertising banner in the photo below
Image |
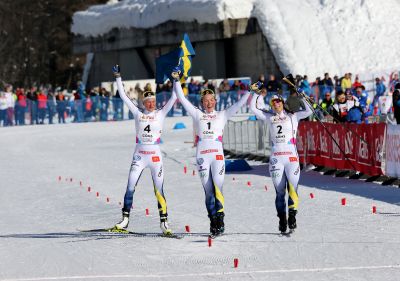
362	145
392	164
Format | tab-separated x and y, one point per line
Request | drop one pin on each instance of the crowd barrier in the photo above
372	149
97	108
363	146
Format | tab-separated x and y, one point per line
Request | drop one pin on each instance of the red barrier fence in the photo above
316	146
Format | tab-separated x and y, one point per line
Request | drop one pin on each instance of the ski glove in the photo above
116	71
176	72
256	87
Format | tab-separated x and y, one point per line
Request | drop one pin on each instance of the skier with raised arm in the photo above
209	126
284	165
148	125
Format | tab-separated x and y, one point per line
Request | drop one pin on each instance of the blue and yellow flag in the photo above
180	57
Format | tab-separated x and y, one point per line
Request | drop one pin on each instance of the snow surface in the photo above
307	37
40	216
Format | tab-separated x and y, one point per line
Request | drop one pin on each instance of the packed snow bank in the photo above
307	37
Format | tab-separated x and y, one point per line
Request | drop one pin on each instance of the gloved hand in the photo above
116	71
176	72
256	87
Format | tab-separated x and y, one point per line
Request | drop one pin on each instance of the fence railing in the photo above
247	137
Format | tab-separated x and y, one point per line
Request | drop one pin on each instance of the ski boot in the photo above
292	219
220	223
164	226
282	222
213	225
123	224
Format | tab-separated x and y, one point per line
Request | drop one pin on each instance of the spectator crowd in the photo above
340	99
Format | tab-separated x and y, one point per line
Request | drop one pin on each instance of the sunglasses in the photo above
276	101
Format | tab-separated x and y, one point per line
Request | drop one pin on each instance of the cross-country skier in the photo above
284	165
148	123
209	126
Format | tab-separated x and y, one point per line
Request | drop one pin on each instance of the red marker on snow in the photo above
187	228
185	169
97	194
311	195
209	242
80	183
266	188
249	183
88	189
374	209
235	262
194	172
147	212
343	201
108	200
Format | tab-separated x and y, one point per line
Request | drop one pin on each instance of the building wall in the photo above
236	48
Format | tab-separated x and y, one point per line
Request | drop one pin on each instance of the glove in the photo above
176	73
256	87
116	71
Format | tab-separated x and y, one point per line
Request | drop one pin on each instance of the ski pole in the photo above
326	129
308	99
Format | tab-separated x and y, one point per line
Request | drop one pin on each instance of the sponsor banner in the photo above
392	163
318	148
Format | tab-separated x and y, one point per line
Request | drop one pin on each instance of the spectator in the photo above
354	114
396	102
317	111
357	83
3	109
305	85
327	104
364	101
293	102
60	106
21	107
394	80
51	106
235	91
105	102
32	104
338	83
42	106
340	107
10	106
273	86
94	97
223	94
327	85
380	89
346	82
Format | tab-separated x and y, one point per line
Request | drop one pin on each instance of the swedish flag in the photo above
181	57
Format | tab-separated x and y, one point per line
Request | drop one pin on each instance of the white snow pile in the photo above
307	37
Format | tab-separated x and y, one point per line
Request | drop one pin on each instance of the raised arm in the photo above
167	107
190	108
306	112
230	111
132	107
260	113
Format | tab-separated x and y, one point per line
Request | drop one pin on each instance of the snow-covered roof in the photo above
307	37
